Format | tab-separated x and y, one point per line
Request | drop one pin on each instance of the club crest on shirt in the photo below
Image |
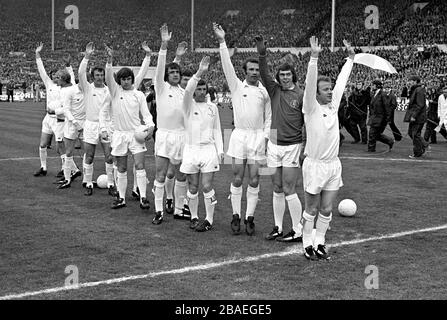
294	104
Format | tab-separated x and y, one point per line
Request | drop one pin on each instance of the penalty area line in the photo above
213	265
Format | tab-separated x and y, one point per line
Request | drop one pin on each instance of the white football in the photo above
101	181
347	208
140	134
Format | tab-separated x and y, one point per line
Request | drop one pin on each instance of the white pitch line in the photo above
393	159
291	251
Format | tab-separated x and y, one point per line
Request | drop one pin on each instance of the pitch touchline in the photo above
341	157
293	250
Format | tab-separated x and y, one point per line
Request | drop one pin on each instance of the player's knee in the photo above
108	159
237	181
326	210
289	189
313	211
277	189
139	166
193	188
180	176
207	187
254	182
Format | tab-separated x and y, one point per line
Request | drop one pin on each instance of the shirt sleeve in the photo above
440	107
217	133
111	83
310	92
72	75
267	117
228	68
43	74
144	110
82	73
189	93
341	82
266	78
160	72
142	72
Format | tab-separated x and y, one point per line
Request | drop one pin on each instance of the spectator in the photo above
10	90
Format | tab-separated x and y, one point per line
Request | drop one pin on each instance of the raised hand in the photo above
108	50
39	47
204	64
146	48
315	47
261	45
89	49
67	60
219	32
165	34
182	47
349	49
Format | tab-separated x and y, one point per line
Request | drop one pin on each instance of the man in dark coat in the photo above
358	111
416	116
392	105
379	117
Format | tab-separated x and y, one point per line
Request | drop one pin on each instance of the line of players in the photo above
268	120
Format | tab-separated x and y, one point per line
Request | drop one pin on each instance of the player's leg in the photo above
45	139
324	218
180	188
169	189
193	198
210	201
108	160
311	205
161	168
289	178
141	177
121	163
279	204
69	162
88	167
238	166
252	197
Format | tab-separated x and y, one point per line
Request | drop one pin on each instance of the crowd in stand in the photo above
124	27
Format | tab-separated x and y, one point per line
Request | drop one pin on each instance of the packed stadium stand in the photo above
413	29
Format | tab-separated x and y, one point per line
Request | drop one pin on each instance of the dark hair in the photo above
252	60
97	68
174	66
323	79
124	73
52	73
187	73
287	67
202	83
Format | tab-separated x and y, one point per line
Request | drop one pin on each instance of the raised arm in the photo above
343	77
310	92
69	68
43	74
111	83
227	66
192	84
144	66
217	135
266	78
161	62
267	117
82	72
182	47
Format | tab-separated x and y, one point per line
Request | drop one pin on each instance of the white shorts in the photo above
51	125
169	144
247	144
71	132
123	141
92	133
199	159
321	175
283	156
